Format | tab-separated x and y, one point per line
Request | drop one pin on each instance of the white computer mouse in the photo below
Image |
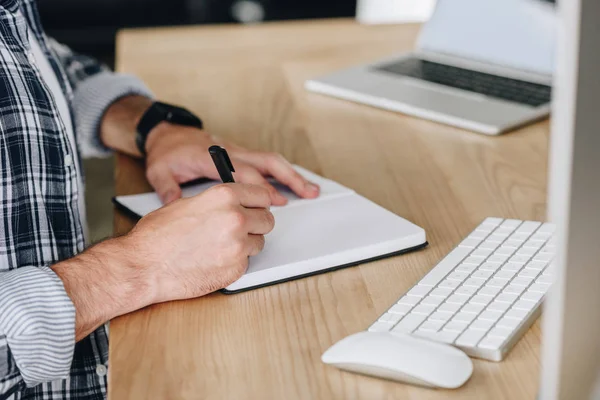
401	358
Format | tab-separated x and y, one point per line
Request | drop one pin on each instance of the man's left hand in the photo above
177	154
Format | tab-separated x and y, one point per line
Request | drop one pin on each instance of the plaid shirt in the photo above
39	215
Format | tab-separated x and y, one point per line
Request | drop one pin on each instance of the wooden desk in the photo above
247	84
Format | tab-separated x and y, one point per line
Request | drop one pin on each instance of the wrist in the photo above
103	282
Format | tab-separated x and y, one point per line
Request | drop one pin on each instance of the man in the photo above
55	298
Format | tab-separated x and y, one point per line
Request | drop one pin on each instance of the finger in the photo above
256	243
246	195
259	221
279	168
248	174
164	183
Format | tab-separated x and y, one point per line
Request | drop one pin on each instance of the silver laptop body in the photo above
484	66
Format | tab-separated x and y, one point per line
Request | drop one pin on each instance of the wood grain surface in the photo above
247	85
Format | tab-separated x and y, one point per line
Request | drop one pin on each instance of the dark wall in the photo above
90	25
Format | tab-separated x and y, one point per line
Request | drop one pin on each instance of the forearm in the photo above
103	283
118	127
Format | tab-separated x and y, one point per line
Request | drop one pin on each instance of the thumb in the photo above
165	184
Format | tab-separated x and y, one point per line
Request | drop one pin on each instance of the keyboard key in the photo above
466	290
489	245
470	243
533	296
401	309
449	284
409	300
539	287
470	338
467	268
464	317
513	289
440	336
458	276
490	266
380	327
505	250
521	281
423	309
390	318
481	299
498	306
504	274
472	308
474	282
529	273
490	315
504	230
481	274
482	324
478	234
536	265
482	253
510	323
498	258
500	331
458	299
526	305
491	342
474	260
519	237
441	316
516	314
534	244
507	297
511	223
409	323
431	326
496	282
519	259
449	307
441	292
419	291
528	227
432	300
526	251
495	237
489	290
456	326
512	243
512	267
438	272
550	249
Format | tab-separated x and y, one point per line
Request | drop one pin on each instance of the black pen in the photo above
223	163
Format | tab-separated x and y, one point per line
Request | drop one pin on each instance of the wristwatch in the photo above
159	112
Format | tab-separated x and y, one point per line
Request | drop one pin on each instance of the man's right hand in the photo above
187	249
197	245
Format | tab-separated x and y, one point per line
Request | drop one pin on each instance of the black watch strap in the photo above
159	112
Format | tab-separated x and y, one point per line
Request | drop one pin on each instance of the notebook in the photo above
338	229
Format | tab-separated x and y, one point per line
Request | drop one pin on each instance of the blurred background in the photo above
89	26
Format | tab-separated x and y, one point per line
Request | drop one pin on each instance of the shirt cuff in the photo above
38	319
92	98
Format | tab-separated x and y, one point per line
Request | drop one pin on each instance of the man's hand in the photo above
186	249
176	154
197	245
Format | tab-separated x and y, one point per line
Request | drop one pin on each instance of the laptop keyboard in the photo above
528	93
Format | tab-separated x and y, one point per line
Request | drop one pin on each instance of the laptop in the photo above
485	66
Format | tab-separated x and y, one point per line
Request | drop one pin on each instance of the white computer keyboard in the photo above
485	294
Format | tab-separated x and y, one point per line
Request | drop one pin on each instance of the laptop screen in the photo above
513	33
